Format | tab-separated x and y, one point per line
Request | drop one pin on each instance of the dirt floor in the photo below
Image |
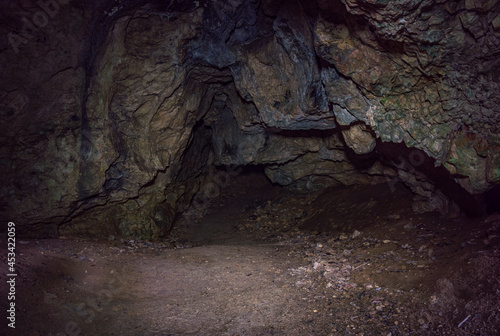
263	261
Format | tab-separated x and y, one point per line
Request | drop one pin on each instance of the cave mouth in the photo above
391	179
233	199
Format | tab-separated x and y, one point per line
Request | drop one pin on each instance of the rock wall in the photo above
429	73
113	112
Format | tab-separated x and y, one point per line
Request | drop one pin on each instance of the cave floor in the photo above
264	261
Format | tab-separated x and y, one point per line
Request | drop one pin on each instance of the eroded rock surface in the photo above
112	114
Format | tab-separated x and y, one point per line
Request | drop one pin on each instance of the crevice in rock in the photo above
312	133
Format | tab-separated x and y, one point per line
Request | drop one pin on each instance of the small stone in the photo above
408	226
355	234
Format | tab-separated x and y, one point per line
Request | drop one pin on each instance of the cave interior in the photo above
262	167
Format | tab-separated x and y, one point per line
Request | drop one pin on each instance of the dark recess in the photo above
471	205
492	200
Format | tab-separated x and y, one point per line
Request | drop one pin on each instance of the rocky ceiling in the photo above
114	113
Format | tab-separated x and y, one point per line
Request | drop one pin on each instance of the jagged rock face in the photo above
112	114
428	70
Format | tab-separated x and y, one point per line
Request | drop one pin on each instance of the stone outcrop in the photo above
113	114
428	70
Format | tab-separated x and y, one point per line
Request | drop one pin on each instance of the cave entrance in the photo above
322	186
326	188
240	205
226	199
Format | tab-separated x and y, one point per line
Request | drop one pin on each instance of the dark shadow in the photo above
397	153
243	170
492	200
358	206
313	133
195	157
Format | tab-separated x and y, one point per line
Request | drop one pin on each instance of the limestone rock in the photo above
359	139
281	76
113	115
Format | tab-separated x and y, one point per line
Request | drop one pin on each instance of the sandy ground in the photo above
348	261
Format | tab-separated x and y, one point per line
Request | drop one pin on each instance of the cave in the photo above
261	167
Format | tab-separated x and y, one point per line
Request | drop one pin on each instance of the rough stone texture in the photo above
281	76
140	112
359	139
113	113
428	71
